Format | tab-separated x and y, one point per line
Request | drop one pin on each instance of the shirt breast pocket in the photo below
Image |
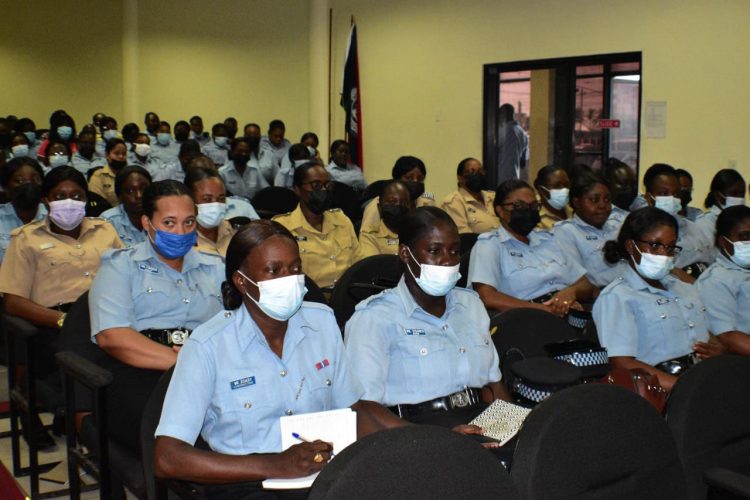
150	290
243	416
317	392
423	357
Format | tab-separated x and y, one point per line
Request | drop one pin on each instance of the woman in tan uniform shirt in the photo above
103	180
210	196
393	203
471	207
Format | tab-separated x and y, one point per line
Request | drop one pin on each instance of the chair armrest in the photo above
19	327
727	480
83	370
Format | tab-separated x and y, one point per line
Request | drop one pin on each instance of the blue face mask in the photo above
65	132
220	141
173	246
163	138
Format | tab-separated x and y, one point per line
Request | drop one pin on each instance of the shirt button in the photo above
462	350
423	351
186	301
663	316
288	412
248	404
676	299
691	325
328	381
228	314
445	327
282	373
149	290
87	273
179	282
78	246
332	257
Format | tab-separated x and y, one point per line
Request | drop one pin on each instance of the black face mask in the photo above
416	189
27	196
320	201
180	136
475	182
117	164
392	215
624	198
240	159
253	142
685	197
524	220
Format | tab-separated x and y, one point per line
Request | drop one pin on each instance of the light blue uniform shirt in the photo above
638	202
128	233
724	288
275	156
652	325
706	225
218	155
285	175
240	207
168	154
159	169
83	165
403	355
201	139
9	221
692	213
583	243
695	246
520	270
351	175
135	289
229	386
247	184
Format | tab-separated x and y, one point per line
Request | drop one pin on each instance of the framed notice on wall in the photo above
656	119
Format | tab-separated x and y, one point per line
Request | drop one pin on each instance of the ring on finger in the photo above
318	458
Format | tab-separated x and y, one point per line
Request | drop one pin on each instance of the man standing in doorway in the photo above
512	145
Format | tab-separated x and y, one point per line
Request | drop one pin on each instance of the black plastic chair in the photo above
707	413
367	277
467	242
522	333
596	441
419	461
274	200
463	268
373	190
239	221
347	199
96	204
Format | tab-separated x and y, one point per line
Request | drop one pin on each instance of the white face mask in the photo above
558	198
210	215
109	134
741	255
279	298
435	280
732	201
669	204
142	150
58	161
654	267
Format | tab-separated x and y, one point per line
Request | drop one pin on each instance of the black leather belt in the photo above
677	366
168	336
63	307
467	398
543	298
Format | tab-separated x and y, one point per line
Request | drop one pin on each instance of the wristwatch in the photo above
61	320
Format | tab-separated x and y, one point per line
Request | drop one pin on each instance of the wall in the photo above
421	69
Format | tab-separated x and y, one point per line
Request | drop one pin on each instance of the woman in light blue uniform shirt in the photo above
517	266
269	354
130	182
727	190
341	170
143	297
243	173
582	237
424	347
725	286
649	317
21	179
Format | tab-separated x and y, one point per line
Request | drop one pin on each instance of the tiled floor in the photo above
60	473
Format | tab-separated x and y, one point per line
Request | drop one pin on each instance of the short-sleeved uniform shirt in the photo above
136	289
705	223
240	207
102	182
382	241
50	268
401	354
160	169
470	215
250	182
9	221
351	175
584	244
231	388
128	233
520	270
218	247
634	319
218	154
325	254
371	216
724	289
548	219
83	164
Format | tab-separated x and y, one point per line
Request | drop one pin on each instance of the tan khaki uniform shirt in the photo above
470	215
222	241
50	268
549	219
382	241
103	183
371	216
325	254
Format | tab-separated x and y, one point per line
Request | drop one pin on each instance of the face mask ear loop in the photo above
415	261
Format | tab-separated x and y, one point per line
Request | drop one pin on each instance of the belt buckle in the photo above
178	337
459	399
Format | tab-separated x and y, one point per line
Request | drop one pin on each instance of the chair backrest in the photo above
149	422
523	333
314	293
373	190
708	414
95	205
275	200
239	221
418	461
467	242
347	199
367	277
463	268
596	441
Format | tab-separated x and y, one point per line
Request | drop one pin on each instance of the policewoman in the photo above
393	204
21	179
424	348
243	173
553	187
130	183
326	238
269	354
724	287
52	262
103	180
210	196
582	237
146	299
648	318
471	207
727	190
517	266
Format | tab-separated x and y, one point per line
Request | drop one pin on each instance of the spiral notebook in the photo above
501	420
335	426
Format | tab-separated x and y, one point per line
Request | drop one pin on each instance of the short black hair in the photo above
195	117
462	165
61	174
197	173
111	143
506	188
636	225
309	135
544	173
189	145
416	223
161	189
275	125
16	164
680	172
728	220
298	152
218	127
125	172
655	171
406	164
722	181
300	172
582	184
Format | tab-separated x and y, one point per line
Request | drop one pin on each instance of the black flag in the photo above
351	100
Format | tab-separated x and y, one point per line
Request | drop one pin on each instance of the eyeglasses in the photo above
522	205
319	185
658	248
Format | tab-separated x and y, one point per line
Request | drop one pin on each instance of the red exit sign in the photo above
608	123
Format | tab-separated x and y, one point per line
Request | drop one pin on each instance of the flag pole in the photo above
330	69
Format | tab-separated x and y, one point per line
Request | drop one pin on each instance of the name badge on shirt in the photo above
392	241
300	238
45	246
243	382
592	238
513	253
146	267
414	331
662	301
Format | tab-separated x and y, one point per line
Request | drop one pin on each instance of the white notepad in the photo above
335	426
501	420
